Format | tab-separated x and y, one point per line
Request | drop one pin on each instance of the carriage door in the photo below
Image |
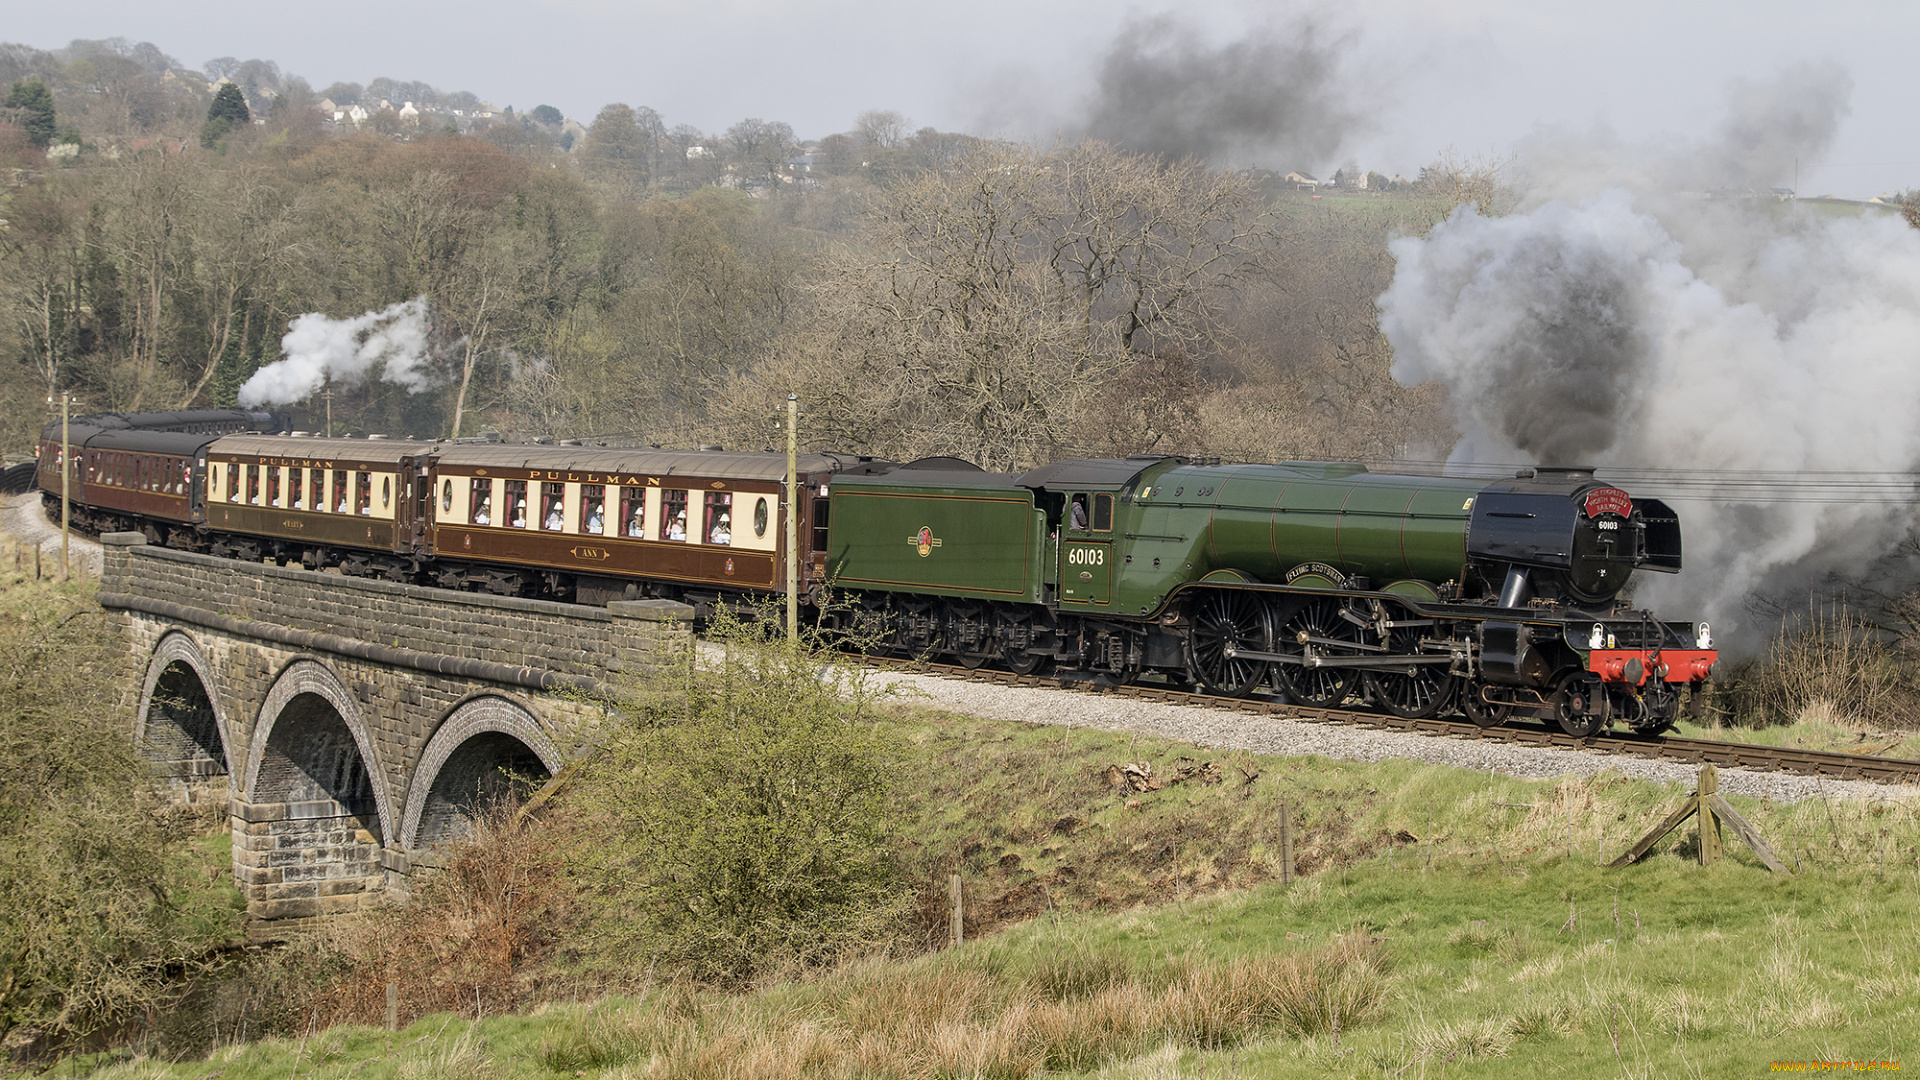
420	490
1086	550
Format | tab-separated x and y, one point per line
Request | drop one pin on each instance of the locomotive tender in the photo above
1317	581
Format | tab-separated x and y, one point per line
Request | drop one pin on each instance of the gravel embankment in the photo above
1222	729
25	520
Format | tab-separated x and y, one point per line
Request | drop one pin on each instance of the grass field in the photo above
1452	923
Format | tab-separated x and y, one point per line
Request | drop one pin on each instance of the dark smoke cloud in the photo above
1624	318
1271	97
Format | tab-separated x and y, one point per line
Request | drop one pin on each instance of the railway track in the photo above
1825	763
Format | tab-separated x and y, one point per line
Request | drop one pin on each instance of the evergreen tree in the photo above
35	103
228	111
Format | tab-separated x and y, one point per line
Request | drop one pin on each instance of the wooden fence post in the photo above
959	921
393	1006
1710	845
1286	843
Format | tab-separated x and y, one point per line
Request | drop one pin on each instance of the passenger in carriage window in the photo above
363	488
555	497
719	518
593	498
480	501
673	511
517	503
634	509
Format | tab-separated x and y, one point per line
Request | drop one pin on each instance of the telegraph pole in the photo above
793	518
66	470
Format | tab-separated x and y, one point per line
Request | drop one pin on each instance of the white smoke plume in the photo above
1646	326
318	349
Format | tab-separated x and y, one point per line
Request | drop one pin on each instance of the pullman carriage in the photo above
127	478
325	502
599	524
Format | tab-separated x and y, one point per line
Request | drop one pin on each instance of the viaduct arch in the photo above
350	729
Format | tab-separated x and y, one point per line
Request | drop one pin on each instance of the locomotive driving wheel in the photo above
1414	692
1418	692
1226	623
1319	622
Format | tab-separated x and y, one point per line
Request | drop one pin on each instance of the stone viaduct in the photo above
350	727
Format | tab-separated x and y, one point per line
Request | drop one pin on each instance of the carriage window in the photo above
759	517
339	491
273	486
673	515
253	485
553	507
517	503
446	496
1103	513
233	483
633	511
386	492
363	493
719	524
296	486
480	502
593	509
318	486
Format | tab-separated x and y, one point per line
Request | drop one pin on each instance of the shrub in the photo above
740	813
97	928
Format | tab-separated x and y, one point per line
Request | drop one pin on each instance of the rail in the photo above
1800	762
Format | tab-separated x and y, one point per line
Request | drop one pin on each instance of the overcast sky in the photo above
1422	75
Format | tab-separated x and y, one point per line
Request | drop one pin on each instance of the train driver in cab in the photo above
1077	518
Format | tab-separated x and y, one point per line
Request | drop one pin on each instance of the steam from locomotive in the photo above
1638	326
318	348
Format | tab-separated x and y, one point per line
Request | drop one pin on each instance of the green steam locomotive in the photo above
1313	580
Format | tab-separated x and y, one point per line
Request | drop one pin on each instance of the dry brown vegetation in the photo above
1076	1011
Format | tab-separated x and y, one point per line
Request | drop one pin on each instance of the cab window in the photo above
1103	513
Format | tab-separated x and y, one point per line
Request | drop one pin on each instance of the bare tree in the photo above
994	304
882	129
246	231
761	146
